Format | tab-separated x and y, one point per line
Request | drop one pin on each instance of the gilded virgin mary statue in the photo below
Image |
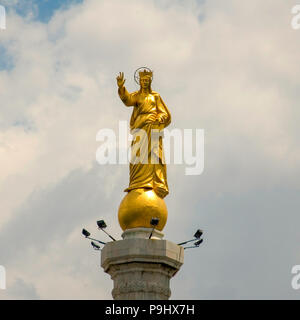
148	176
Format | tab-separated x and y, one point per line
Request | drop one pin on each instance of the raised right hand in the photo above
120	80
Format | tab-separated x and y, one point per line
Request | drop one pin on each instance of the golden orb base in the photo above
139	206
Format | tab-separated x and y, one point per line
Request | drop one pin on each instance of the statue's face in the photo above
145	82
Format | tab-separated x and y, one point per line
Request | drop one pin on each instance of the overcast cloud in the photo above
228	67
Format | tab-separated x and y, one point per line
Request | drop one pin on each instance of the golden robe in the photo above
150	175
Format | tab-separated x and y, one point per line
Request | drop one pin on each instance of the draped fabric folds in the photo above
151	172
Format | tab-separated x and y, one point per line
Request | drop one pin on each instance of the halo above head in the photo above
140	72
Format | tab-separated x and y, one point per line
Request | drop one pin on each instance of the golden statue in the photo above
148	177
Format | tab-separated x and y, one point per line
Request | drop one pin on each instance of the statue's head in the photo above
145	79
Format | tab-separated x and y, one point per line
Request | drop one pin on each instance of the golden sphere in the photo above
139	206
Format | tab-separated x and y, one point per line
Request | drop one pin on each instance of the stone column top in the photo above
142	250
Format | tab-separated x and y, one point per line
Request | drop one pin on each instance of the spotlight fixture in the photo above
87	235
102	225
154	222
197	235
95	246
196	244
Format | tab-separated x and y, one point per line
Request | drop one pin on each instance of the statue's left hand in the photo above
151	119
161	118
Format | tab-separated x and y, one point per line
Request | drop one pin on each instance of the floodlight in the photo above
197	244
154	222
85	233
198	234
102	225
95	246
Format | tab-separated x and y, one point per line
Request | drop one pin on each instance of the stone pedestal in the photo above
141	268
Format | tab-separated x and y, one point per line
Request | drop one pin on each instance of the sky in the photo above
228	67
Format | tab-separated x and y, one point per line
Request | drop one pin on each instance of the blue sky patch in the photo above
6	61
42	10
